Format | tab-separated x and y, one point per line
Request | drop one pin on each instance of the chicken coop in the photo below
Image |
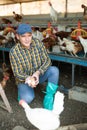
61	25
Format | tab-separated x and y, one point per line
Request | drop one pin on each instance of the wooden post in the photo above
66	4
5	100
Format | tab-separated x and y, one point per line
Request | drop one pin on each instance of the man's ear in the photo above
17	36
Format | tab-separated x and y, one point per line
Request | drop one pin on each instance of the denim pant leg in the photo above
25	92
51	75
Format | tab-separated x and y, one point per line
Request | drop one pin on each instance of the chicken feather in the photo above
84	44
53	13
42	118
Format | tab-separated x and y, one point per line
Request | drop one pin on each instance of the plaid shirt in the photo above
25	62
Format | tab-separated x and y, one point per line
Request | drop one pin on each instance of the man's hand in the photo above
36	76
30	81
33	80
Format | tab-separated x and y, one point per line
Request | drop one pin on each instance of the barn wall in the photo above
42	7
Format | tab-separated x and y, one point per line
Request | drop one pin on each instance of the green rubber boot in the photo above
49	97
18	98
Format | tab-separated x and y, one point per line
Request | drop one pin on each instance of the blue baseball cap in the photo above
24	28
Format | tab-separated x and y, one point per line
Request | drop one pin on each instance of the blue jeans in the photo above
26	93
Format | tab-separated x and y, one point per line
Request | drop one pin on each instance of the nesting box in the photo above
78	93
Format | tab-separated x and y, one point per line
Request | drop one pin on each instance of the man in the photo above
29	60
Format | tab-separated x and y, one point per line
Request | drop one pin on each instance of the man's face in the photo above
25	39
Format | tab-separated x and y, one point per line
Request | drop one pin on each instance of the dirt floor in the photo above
75	112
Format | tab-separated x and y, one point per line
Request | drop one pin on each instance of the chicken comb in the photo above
21	102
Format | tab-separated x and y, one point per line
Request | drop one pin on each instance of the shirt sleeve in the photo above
46	62
16	67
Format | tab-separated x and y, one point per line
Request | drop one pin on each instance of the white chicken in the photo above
37	34
61	42
70	46
84	44
42	118
53	13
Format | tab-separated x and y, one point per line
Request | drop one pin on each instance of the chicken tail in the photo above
58	106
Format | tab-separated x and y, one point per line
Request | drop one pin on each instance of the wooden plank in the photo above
78	94
5	100
69	59
82	126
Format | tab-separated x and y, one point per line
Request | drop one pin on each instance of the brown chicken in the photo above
62	34
85	11
17	17
70	46
8	29
49	42
3	40
5	74
6	21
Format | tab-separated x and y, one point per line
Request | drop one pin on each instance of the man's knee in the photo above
28	98
26	93
54	70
